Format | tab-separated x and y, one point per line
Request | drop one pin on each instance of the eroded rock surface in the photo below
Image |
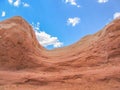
93	63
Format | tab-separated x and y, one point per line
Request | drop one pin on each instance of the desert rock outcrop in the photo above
93	63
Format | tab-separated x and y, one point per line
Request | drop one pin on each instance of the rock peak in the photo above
17	17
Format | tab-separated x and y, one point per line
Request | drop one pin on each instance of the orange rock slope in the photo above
93	63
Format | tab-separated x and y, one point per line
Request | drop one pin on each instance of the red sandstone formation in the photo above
93	63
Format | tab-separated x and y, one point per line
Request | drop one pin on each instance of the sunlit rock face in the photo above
93	63
17	44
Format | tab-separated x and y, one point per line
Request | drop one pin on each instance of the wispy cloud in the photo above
116	15
103	1
17	3
72	2
3	14
44	38
25	4
10	1
73	21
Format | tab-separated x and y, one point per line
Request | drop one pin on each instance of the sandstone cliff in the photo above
93	63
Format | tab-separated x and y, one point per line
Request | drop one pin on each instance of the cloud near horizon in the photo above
3	14
116	15
44	38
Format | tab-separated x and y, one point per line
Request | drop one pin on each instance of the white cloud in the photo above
44	38
25	4
3	14
102	1
116	15
72	2
73	21
10	1
17	3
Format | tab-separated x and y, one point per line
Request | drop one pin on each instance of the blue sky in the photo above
59	23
